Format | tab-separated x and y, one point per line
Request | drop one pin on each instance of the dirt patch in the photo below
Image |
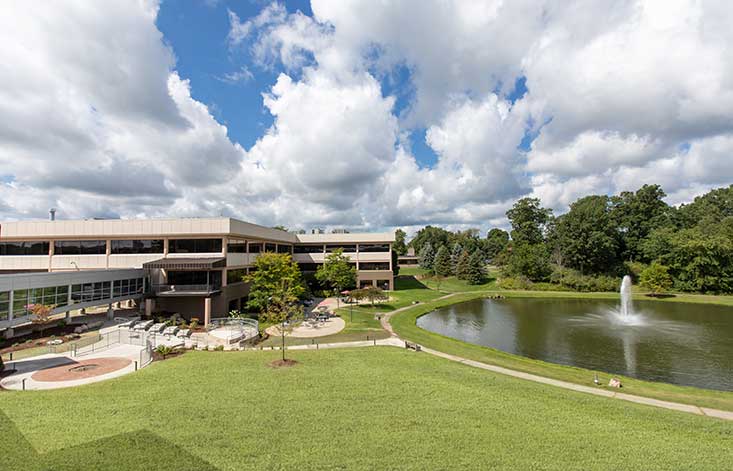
286	363
81	369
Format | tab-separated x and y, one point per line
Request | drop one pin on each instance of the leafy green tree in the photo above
587	235
442	265
701	262
715	206
462	267
432	235
399	245
272	271
469	239
395	264
529	260
337	272
454	256
475	274
496	241
283	310
656	278
426	257
635	215
528	219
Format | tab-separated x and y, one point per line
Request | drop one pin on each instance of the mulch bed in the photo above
158	357
286	363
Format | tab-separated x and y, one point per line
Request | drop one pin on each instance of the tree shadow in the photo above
404	282
141	449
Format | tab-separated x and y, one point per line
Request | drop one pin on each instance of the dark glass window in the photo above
308	249
237	246
345	248
270	247
255	248
24	248
137	246
4	305
374	266
236	276
194	245
80	247
306	267
283	248
373	247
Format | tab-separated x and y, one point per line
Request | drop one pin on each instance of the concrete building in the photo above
191	266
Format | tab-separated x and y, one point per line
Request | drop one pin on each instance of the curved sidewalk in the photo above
717	413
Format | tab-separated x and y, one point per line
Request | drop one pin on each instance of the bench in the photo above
413	346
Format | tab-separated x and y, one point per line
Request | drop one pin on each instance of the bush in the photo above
219	348
194	322
574	280
163	350
515	283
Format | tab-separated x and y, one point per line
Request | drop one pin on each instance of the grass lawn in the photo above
372	408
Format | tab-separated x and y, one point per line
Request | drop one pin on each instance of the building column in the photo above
207	311
110	312
148	308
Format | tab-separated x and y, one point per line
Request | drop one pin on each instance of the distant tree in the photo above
399	245
283	310
528	219
427	257
475	275
280	228
337	272
434	236
372	293
442	265
715	206
462	267
454	256
468	239
496	241
656	278
635	215
272	271
529	260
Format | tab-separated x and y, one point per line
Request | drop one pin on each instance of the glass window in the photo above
308	249
137	246
195	246
24	248
374	266
373	247
236	276
284	248
237	246
4	305
20	301
308	267
80	247
255	247
345	248
270	247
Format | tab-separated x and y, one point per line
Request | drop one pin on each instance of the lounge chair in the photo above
170	330
157	328
143	325
184	333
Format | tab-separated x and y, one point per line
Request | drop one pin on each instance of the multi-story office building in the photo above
191	266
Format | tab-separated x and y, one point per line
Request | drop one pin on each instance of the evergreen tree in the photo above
462	265
442	265
475	274
454	256
427	257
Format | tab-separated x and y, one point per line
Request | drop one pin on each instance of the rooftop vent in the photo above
52	214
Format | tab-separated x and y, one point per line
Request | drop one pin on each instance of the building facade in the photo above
192	266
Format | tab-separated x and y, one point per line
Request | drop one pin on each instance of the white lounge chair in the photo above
157	328
170	330
184	333
143	325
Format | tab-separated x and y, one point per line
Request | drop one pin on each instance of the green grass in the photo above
372	408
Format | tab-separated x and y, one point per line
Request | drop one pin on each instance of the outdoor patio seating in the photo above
183	333
143	325
157	328
170	330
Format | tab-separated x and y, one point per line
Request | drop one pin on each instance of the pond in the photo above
678	343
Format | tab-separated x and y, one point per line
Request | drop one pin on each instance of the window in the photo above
237	246
345	248
384	284
4	305
373	247
20	301
236	276
194	245
24	248
137	246
308	249
255	248
127	287
309	266
270	247
80	247
86	292
374	266
283	248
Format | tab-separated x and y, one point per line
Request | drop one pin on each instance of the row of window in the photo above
363	266
345	248
24	248
59	295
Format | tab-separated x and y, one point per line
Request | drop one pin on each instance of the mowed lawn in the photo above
371	408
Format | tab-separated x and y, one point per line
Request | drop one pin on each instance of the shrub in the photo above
219	348
656	278
576	281
194	322
163	350
515	283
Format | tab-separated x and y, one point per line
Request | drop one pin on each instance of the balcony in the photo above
186	290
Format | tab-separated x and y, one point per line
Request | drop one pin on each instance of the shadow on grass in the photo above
133	450
408	282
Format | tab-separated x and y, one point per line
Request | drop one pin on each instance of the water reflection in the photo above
672	342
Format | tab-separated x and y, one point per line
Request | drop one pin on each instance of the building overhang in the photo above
195	264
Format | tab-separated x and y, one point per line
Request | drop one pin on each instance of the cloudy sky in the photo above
360	113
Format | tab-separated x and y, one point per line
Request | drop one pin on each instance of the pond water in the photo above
679	343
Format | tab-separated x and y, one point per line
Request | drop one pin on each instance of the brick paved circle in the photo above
81	369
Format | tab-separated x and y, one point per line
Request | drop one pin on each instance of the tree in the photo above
454	256
395	264
427	257
41	315
656	278
496	241
337	272
475	275
272	271
635	215
434	236
372	293
399	245
462	267
280	228
442	265
284	311
529	260
528	219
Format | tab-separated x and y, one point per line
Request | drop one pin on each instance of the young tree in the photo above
337	272
284	311
462	265
373	293
399	245
528	220
427	257
272	271
656	278
496	241
454	256
41	315
442	266
475	274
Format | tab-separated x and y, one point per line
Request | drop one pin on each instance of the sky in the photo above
358	114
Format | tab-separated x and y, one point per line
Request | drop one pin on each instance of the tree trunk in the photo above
282	334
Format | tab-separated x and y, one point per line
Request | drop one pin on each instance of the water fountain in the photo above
626	296
625	314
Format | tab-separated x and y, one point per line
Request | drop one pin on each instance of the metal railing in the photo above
162	289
